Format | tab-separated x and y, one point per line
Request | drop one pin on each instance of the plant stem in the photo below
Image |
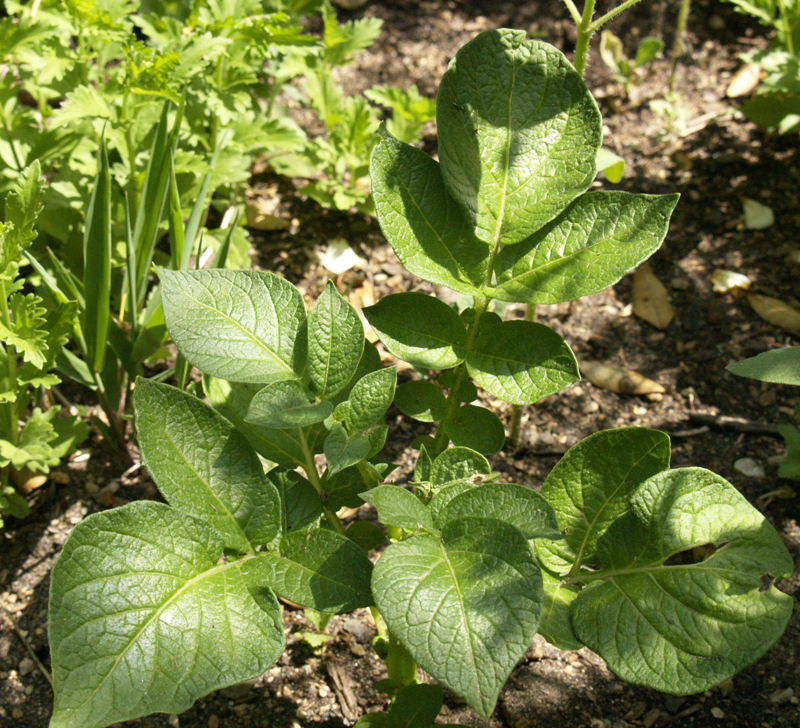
313	477
115	423
585	31
9	409
603	19
400	666
514	431
677	46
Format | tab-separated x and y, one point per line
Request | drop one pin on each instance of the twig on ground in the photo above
736	424
28	647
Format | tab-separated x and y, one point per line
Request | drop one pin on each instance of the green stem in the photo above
603	19
677	46
573	11
313	477
514	428
380	625
585	31
10	413
115	423
400	666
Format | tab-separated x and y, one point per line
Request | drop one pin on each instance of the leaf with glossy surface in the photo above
399	507
369	399
320	569
477	428
203	466
147	574
518	134
681	627
286	404
465	605
591	486
521	362
424	225
419	329
588	247
458	463
335	343
243	326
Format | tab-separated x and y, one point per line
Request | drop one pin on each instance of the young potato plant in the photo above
154	605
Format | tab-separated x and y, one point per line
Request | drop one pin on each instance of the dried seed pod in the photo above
621	381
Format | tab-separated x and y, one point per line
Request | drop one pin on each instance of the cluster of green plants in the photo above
776	103
154	605
625	69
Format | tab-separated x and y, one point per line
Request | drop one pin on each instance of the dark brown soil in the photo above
713	160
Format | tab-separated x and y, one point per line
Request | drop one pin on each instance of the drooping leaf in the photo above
204	467
588	247
519	132
681	627
320	569
243	326
555	625
419	329
147	574
465	605
590	488
426	228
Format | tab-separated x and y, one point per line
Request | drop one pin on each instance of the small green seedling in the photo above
154	605
625	69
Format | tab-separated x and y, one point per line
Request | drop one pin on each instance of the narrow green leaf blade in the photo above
591	486
399	507
335	343
243	326
685	627
320	569
426	228
521	362
419	329
590	246
286	404
97	265
518	134
779	366
465	605
144	575
203	466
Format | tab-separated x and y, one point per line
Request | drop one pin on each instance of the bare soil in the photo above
713	160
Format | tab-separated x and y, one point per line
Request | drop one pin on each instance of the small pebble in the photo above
717	713
780	697
213	721
17	714
26	666
590	407
749	467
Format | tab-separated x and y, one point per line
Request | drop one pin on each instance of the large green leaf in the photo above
458	463
419	329
203	466
779	366
590	488
521	362
243	326
465	605
590	246
320	569
429	233
335	343
144	617
518	134
678	626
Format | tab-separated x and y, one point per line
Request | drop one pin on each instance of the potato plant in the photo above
156	604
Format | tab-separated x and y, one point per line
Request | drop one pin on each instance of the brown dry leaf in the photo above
776	312
621	381
360	298
264	213
744	80
650	298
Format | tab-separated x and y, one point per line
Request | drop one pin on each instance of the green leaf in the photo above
590	488
342	451
335	343
465	605
144	575
649	48
518	134
34	446
377	439
23	204
521	507
555	625
444	495
286	404
320	569
97	266
284	447
399	507
681	627
779	366
521	362
366	535
426	228
610	164
414	706
421	401
243	326
419	329
369	399
204	467
477	428
590	246
300	503
458	463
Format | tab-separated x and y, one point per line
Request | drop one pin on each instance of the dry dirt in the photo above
713	160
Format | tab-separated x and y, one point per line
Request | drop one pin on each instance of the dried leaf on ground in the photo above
756	215
264	213
621	381
744	81
339	257
728	281
650	298
776	312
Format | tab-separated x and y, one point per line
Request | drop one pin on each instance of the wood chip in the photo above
650	298
343	687
744	81
776	312
621	381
